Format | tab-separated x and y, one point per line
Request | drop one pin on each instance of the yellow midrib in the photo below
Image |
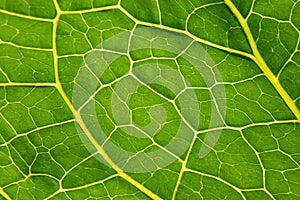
4	194
261	63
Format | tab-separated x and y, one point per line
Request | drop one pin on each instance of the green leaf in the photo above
153	99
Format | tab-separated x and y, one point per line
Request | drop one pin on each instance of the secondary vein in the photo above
81	123
261	63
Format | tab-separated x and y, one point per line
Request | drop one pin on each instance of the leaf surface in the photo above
218	110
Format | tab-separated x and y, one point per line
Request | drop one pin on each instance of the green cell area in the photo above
115	188
77	34
17	114
48	138
195	186
298	103
2	95
275	143
254	101
230	158
99	69
116	69
66	151
104	25
3	77
241	111
44	163
289	141
1	140
233	68
130	143
277	160
279	9
175	13
259	194
75	22
147	10
289	77
140	102
163	180
68	68
35	8
271	101
209	117
153	42
193	75
31	107
88	171
10	173
24	65
275	41
23	153
38	187
243	6
60	196
261	138
25	32
249	90
254	25
296	15
6	131
294	183
59	148
84	4
70	40
218	25
276	183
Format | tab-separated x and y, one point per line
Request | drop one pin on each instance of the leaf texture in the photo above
224	74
